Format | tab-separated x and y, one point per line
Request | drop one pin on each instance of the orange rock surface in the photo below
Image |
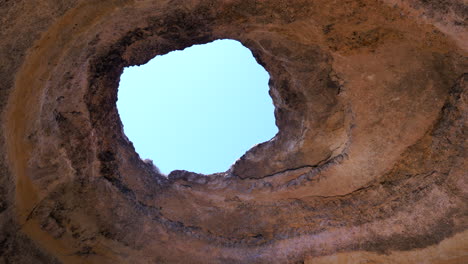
369	165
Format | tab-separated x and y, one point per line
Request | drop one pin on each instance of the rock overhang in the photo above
363	106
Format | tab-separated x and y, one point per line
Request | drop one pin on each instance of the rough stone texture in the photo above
369	165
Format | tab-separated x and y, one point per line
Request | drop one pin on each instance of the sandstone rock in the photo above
369	165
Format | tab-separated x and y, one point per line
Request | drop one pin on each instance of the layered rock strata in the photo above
369	165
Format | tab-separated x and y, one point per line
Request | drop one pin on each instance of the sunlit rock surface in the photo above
369	165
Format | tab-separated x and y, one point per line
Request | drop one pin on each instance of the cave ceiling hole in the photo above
199	109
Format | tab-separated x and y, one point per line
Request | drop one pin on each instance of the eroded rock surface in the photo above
369	165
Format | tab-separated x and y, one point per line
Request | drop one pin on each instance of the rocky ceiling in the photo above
369	165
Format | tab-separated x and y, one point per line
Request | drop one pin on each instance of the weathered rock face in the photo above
369	165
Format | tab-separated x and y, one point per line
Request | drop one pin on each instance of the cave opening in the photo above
199	109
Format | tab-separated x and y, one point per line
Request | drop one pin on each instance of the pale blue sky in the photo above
198	109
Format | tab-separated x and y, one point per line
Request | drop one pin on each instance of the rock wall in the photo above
369	165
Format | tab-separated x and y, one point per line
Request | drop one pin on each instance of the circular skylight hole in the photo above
199	109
